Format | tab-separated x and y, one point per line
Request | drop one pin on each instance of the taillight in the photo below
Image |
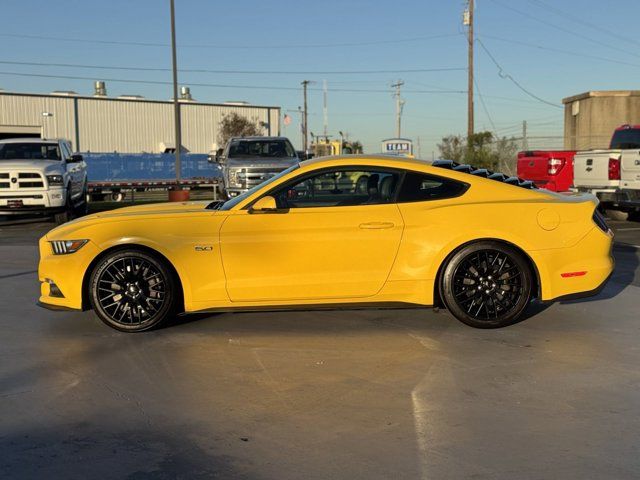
614	169
554	165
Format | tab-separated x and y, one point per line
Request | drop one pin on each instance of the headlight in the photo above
235	177
63	247
55	179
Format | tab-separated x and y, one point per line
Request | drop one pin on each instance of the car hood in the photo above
275	163
137	211
45	166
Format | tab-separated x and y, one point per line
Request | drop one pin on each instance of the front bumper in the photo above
33	202
66	272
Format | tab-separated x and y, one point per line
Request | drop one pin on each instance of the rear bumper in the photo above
577	271
579	295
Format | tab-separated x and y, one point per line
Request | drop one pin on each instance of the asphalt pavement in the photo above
363	394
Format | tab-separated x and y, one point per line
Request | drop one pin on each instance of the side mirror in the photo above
219	155
75	158
266	204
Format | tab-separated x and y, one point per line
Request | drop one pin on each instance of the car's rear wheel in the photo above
133	291
487	285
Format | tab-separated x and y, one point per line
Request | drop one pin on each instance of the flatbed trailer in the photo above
113	176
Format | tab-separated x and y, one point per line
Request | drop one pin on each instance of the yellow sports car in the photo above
335	231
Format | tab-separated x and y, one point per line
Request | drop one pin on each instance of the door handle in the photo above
376	225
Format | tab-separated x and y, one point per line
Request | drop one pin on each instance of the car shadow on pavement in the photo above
624	274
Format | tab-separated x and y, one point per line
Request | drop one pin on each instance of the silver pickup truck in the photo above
40	176
248	161
613	174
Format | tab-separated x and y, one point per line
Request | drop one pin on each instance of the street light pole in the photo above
176	103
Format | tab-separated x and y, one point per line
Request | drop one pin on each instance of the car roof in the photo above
259	138
31	140
363	156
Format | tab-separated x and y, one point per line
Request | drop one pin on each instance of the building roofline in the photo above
601	93
131	100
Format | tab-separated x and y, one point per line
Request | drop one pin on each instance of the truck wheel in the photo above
67	214
487	285
133	291
617	215
117	196
82	208
634	216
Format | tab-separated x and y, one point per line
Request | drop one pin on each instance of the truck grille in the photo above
19	180
255	176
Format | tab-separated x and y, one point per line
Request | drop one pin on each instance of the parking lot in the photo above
332	394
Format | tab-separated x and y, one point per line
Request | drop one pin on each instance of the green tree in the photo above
483	150
234	125
452	148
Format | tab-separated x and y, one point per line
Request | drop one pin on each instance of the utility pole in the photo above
468	21
305	125
525	143
325	112
419	148
399	107
176	103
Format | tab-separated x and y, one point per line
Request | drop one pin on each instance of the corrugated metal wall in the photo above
131	126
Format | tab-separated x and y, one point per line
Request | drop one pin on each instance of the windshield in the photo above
625	139
261	148
29	151
229	204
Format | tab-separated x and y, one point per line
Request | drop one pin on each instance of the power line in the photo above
239	72
484	106
593	26
217	85
222	46
558	50
563	29
504	74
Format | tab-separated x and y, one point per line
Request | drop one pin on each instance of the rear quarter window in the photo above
420	187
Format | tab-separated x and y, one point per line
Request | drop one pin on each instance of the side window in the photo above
340	188
65	150
419	187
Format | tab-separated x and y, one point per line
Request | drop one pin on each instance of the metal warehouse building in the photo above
591	117
125	124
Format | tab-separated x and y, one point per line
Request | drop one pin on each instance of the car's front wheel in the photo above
133	291
487	285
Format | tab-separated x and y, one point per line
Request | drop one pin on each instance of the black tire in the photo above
68	213
82	208
491	276
149	291
634	216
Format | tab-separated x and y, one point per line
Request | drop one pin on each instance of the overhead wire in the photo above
227	46
240	72
503	74
564	29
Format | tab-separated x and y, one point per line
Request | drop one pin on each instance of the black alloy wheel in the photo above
487	285
133	291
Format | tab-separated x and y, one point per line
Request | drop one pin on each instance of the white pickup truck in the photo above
42	177
614	174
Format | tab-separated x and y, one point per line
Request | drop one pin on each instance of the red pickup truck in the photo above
550	169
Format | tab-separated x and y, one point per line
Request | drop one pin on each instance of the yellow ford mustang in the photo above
336	231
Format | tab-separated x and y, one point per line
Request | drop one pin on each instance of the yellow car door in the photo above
335	238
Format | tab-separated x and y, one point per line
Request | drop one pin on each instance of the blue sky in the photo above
553	48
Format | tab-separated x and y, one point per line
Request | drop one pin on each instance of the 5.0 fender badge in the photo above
203	248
